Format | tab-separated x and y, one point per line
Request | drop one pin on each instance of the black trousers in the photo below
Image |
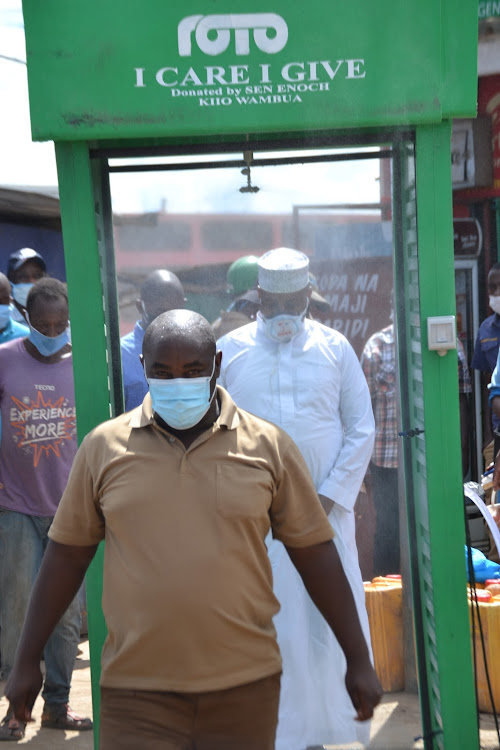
386	502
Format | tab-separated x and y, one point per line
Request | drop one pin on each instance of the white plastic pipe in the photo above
486	515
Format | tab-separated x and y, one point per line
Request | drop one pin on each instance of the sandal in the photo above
12	729
62	716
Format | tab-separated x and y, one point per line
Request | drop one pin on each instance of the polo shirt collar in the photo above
142	416
228	416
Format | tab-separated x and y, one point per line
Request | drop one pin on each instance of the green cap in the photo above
243	274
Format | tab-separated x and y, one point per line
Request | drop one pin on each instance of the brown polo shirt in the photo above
188	596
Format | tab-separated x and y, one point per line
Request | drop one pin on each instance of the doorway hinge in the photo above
411	433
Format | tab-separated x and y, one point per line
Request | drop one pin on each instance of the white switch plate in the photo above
441	333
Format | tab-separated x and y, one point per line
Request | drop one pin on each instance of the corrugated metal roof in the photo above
38	205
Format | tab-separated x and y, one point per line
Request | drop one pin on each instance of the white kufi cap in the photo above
283	271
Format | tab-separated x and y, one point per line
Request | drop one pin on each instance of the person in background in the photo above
161	291
191	658
464	393
9	328
306	378
319	308
24	268
37	448
484	359
378	361
242	278
494	401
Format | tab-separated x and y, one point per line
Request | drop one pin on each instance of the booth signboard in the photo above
192	69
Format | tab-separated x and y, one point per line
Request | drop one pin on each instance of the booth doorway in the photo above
352	209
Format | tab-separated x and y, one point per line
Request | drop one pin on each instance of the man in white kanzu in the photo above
306	378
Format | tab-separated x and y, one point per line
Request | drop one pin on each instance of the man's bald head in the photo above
161	291
178	329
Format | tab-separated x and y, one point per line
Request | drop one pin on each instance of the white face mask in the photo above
495	304
284	328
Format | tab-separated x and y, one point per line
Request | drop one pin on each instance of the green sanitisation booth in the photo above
204	89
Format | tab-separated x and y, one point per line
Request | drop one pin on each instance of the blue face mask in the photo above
283	328
4	316
48	345
20	293
181	402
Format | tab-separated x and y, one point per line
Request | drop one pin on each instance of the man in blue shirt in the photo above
160	292
494	397
488	335
24	268
486	352
9	329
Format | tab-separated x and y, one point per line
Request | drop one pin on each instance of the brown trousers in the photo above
239	718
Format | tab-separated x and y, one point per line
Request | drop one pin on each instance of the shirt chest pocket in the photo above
490	349
243	491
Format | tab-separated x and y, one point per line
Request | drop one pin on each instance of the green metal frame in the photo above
421	70
424	286
83	233
441	555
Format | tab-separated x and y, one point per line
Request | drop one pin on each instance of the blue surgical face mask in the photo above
4	316
181	402
20	293
48	345
283	328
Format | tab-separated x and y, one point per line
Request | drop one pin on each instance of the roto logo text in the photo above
219	28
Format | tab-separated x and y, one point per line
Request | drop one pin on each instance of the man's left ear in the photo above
309	291
218	360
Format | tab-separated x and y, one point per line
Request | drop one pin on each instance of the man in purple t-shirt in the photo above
38	444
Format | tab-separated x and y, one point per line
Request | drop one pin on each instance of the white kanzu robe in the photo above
312	387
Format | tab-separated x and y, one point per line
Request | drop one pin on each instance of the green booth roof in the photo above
105	69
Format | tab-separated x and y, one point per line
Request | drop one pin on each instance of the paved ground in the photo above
80	699
395	726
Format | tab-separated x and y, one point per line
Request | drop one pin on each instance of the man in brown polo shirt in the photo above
184	490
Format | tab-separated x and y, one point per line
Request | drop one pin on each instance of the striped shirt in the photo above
378	361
